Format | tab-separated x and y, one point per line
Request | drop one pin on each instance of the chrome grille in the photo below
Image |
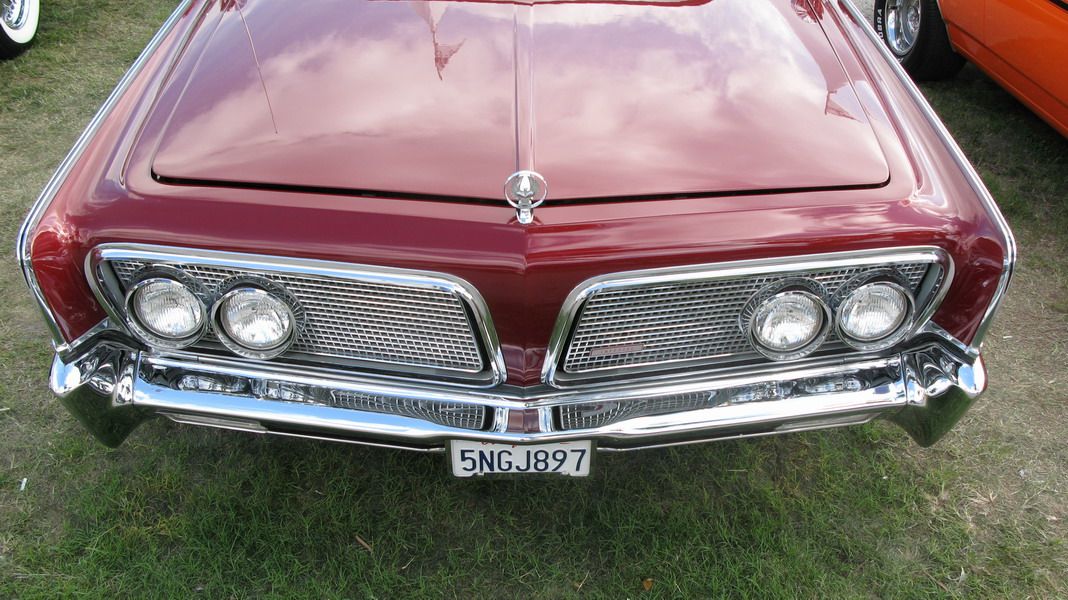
697	319
593	415
394	323
450	414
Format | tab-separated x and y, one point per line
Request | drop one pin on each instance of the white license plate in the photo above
483	458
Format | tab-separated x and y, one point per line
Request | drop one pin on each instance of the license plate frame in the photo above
471	458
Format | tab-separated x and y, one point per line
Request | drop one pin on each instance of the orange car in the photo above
1023	44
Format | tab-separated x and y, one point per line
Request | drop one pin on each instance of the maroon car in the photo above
517	232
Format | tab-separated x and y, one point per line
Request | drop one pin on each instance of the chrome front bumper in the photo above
111	389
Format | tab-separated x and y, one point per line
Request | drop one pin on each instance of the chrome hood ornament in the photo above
525	191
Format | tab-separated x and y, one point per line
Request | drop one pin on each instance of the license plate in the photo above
483	458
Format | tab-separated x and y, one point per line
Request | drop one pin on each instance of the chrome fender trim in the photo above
23	251
966	167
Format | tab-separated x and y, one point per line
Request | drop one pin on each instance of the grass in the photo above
241	516
862	512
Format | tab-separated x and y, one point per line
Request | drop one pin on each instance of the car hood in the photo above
447	99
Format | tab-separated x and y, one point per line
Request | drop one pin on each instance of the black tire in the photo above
19	27
930	56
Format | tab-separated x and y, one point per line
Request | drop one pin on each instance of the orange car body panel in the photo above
1022	44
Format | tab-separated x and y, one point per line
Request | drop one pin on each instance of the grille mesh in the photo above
590	416
465	416
644	325
396	324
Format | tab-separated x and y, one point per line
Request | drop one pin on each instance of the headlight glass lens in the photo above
168	309
873	312
255	319
788	322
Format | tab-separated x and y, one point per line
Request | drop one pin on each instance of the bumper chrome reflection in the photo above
112	389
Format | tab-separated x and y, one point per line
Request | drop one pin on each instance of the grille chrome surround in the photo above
645	321
395	320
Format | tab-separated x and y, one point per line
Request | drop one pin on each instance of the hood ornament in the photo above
525	191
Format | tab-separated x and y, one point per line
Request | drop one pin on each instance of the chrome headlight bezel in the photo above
165	274
808	288
230	288
885	277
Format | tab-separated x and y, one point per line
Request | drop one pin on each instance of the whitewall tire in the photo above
18	25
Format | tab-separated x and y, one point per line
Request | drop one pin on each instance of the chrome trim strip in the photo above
966	167
821	425
216	422
69	350
483	322
510	397
23	251
958	346
572	306
160	398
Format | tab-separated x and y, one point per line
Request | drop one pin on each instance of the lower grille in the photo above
450	414
601	414
591	416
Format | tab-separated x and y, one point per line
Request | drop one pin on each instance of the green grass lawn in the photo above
180	511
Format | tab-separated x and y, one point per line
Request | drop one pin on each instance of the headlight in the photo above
875	315
165	313
254	322
789	320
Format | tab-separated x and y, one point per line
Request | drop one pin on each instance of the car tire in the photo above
916	35
18	25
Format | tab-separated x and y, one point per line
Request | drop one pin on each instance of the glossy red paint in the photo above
450	98
525	272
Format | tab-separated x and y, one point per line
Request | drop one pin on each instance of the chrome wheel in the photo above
903	19
16	13
18	25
